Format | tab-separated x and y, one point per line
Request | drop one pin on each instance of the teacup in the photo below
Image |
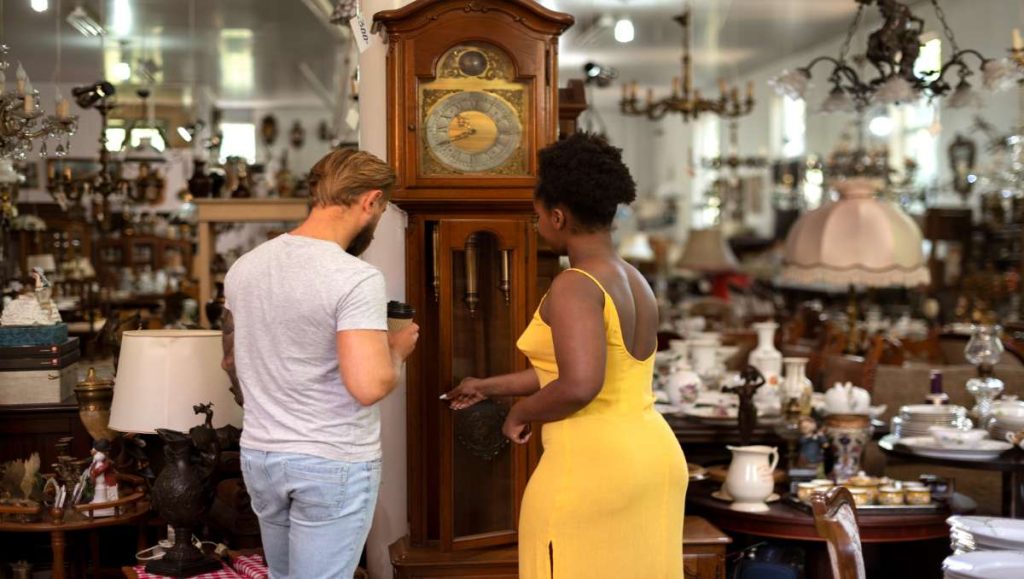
1016	438
861	496
805	490
918	496
950	437
890	495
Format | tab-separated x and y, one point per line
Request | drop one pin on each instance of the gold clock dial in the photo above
473	131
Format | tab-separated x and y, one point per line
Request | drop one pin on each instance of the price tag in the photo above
362	33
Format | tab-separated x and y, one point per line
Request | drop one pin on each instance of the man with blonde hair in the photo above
307	348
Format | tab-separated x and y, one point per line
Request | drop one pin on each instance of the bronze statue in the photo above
747	416
894	47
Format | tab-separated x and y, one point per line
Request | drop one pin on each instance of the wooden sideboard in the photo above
704	547
29	428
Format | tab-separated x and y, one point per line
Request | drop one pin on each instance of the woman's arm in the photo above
575	307
473	390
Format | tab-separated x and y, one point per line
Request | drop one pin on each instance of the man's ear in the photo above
370	199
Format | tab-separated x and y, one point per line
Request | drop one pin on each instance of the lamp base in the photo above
183	559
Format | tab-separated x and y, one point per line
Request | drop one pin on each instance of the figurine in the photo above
811	446
101	474
37	309
747	416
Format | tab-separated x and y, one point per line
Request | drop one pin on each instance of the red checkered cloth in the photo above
251	566
225	573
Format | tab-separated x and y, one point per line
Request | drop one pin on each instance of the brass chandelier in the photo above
685	100
892	52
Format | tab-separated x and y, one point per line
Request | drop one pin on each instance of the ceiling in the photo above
246	53
729	37
250	53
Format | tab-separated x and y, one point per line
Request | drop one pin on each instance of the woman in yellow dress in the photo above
606	500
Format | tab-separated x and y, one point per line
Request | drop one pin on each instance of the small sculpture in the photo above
747	416
101	474
811	447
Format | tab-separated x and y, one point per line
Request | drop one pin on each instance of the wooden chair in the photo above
835	519
858	370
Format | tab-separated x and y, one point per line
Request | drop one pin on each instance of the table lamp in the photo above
44	261
857	240
163	376
706	251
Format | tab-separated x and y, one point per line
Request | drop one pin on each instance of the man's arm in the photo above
370	361
228	362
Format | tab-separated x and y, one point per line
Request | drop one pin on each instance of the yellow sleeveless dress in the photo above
606	500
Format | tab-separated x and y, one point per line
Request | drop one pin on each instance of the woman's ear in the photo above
558	219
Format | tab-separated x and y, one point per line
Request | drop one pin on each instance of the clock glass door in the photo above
483	474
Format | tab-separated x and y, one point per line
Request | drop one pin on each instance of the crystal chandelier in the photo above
892	51
22	120
684	99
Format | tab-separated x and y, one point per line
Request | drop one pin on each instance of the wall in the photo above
391	519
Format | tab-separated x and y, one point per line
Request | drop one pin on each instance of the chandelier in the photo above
106	185
684	99
892	51
23	121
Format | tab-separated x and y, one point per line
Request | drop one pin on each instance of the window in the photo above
239	141
794	127
116	137
915	135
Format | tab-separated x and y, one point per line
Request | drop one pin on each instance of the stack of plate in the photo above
984	565
969	534
1007	417
916	419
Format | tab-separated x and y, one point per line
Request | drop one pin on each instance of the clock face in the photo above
473	131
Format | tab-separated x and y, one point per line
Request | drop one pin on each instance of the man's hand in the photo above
403	342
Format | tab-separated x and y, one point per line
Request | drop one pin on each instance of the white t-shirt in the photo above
289	297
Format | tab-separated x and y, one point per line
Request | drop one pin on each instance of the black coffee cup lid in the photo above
399	310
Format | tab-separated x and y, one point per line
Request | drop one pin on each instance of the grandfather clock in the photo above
472	96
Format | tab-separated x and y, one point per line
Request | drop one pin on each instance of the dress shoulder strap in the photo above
592	278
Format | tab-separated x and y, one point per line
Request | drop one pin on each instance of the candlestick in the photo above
22	78
63	107
633	91
650	95
750	90
3	81
675	86
1018	42
30	97
722	88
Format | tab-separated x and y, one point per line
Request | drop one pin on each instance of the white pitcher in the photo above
750	481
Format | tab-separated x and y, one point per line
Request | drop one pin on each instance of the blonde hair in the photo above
341	176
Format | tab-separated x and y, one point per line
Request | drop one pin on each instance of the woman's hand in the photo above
466	394
515	429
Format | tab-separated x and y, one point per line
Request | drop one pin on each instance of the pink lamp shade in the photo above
856	240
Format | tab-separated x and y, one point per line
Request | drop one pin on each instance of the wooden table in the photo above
58	531
1010	463
921	540
704	548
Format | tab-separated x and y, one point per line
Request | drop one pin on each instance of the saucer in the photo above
723	495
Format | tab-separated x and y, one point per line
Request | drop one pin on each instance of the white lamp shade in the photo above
43	261
637	247
857	240
162	374
707	250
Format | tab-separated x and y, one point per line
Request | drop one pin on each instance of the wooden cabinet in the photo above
139	252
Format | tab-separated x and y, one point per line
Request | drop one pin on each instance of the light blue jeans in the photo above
314	513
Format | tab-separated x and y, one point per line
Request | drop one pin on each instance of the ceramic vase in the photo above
750	481
705	360
683	384
848	434
796	383
765	357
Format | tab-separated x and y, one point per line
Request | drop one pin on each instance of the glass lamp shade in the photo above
162	374
984	348
707	251
857	240
637	247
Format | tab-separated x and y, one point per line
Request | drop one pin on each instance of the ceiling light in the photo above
624	31
80	19
601	75
122	71
40	5
121	21
880	126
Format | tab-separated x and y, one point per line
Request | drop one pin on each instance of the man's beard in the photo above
362	240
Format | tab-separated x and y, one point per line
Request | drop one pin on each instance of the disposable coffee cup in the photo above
399	315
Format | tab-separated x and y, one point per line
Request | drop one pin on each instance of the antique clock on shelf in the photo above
472	97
